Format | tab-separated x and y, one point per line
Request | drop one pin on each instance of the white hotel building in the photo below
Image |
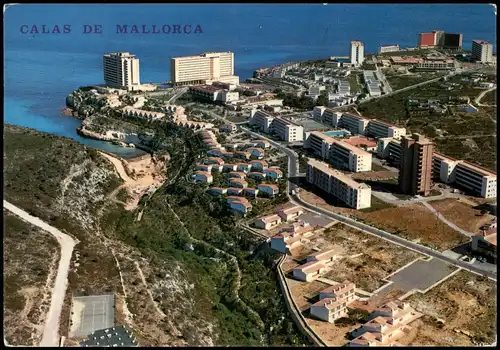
326	116
205	68
357	53
354	123
339	153
355	195
319	143
379	129
389	148
479	181
352	158
121	70
261	120
287	130
482	51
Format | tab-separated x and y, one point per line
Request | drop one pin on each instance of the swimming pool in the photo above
337	133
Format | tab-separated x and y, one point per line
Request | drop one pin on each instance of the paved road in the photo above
51	329
478	99
177	95
295	198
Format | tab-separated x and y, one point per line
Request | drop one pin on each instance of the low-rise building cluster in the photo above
386	325
316	264
333	302
357	124
372	83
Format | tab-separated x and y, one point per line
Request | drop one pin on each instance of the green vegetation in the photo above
353	83
207	219
29	254
449	131
35	165
400	81
292	100
377	204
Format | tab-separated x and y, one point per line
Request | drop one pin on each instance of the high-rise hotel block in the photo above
121	70
482	51
415	166
203	69
357	53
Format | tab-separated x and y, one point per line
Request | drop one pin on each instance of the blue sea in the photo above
41	69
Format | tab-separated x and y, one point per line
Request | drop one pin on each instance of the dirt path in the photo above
233	259
447	222
51	329
481	95
120	169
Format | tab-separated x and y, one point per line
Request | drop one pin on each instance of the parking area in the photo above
309	124
419	275
316	220
91	313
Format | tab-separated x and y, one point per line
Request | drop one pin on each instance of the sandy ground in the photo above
461	214
145	175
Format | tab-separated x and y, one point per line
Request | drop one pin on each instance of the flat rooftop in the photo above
323	167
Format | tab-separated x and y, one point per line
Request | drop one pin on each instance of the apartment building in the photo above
267	222
345	156
389	48
333	302
290	214
476	180
380	129
415	166
355	195
372	82
482	51
315	265
287	130
354	123
390	149
318	113
386	325
261	120
331	118
357	53
319	143
121	70
436	65
204	68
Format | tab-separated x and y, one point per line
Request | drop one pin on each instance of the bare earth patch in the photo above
415	222
465	303
461	214
31	257
367	259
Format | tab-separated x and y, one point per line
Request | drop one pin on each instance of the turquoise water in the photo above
41	69
337	133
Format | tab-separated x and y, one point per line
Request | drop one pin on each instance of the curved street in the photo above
51	328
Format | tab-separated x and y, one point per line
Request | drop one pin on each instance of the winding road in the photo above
481	95
51	328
